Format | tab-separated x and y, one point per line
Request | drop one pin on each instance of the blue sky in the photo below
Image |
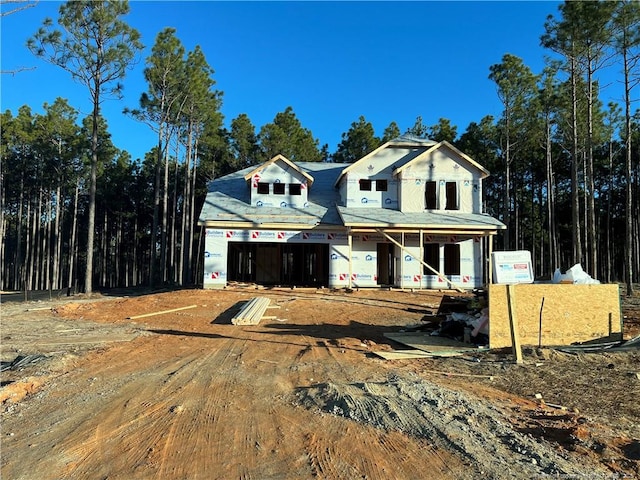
330	61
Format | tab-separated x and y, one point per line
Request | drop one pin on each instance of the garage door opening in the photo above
294	264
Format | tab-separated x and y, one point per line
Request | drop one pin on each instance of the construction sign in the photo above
512	267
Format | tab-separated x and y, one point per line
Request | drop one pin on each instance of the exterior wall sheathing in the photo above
363	271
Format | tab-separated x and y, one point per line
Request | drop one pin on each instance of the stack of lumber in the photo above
251	312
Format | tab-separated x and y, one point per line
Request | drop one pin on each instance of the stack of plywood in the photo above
251	312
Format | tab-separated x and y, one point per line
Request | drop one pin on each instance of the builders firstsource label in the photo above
512	267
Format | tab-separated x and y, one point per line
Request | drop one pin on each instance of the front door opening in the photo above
385	263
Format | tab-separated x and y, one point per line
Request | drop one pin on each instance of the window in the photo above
431	258
365	185
452	196
278	188
430	196
452	259
263	188
294	189
381	185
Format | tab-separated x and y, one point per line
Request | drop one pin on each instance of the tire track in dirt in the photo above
147	405
152	410
213	401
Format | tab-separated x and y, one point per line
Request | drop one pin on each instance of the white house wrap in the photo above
409	214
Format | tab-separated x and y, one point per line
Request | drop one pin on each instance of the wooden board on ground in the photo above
436	346
403	354
569	313
251	312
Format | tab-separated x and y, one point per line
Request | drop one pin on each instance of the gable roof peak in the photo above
409	138
280	158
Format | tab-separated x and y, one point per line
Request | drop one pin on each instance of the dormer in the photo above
279	183
440	179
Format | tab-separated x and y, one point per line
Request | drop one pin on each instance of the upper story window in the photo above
263	188
430	195
452	196
294	189
365	185
278	188
381	185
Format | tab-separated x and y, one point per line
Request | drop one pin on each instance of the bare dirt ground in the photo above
188	395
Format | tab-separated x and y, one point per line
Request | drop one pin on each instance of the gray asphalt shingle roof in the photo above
229	200
386	218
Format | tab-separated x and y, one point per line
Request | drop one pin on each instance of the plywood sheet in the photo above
433	344
570	313
403	354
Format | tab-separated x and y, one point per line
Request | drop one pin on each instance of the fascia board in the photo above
258	225
434	227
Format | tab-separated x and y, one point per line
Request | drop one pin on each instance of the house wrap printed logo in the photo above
255	234
215	275
229	234
312	236
256	180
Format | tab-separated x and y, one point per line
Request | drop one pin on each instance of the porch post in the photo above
350	242
490	241
421	257
402	261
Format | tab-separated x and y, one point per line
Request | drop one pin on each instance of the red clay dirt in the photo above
187	395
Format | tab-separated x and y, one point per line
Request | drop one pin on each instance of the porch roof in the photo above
427	220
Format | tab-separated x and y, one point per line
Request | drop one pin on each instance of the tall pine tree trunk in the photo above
590	190
73	255
57	238
575	198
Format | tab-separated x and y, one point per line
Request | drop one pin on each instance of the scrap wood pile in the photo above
465	319
459	327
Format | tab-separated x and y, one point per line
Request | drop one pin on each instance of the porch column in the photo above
350	243
421	256
490	241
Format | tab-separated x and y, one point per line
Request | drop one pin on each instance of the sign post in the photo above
511	268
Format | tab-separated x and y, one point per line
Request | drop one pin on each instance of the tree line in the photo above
76	211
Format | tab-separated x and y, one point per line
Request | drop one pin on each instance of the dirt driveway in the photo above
188	395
